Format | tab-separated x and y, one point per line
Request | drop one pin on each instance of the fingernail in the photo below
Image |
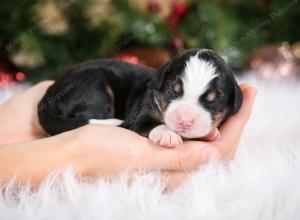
245	85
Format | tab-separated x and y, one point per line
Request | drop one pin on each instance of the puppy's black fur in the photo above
99	89
106	88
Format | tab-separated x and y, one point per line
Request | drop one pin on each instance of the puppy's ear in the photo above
236	97
162	74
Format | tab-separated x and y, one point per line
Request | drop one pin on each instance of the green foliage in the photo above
233	27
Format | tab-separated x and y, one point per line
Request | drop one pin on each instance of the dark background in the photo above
41	39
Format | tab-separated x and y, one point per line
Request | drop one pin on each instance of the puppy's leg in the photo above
163	136
149	126
111	121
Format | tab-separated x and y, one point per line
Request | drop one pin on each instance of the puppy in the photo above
189	97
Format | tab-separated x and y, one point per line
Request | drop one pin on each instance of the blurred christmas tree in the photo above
45	37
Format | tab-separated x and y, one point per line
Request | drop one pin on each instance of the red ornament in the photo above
20	76
9	74
148	56
178	10
154	6
129	59
177	42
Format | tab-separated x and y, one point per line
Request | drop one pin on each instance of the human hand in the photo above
95	150
18	116
108	151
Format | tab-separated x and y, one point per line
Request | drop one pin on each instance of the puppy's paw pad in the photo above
166	138
155	138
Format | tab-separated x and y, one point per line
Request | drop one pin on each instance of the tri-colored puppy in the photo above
189	97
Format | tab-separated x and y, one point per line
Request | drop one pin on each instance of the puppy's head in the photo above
196	92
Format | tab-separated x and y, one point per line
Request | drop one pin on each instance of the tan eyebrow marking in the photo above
177	87
211	96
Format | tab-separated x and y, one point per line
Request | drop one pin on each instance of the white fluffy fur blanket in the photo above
263	182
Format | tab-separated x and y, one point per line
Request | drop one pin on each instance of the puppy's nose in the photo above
185	121
184	117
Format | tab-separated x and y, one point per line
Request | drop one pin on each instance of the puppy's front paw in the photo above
163	136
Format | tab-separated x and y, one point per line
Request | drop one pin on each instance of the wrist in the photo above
33	161
6	128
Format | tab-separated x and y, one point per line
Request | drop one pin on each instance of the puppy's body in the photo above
99	89
188	97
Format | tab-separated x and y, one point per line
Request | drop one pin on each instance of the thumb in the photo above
188	156
232	129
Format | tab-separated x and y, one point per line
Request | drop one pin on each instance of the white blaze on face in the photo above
185	115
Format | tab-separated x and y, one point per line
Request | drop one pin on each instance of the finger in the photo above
249	94
187	156
215	134
33	94
244	86
232	129
39	89
238	121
